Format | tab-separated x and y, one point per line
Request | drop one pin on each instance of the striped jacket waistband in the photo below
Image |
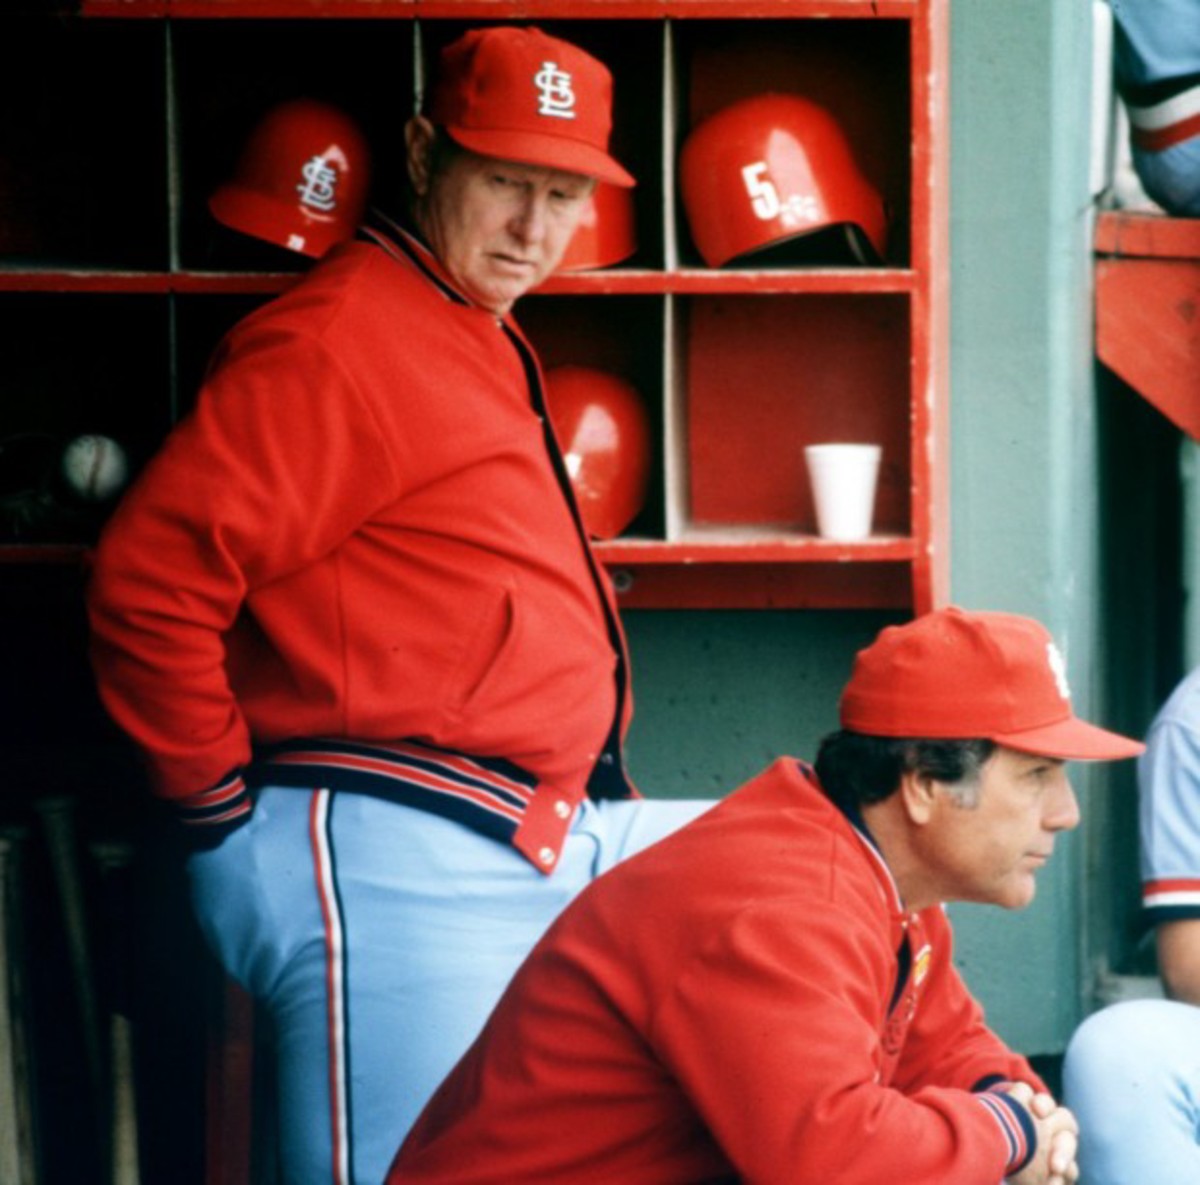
492	796
489	795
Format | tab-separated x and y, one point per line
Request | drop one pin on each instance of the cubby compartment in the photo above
857	71
83	184
229	75
75	365
622	337
765	376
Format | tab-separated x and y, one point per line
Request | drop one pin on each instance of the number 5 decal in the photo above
764	198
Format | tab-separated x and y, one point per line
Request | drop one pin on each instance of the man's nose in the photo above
529	219
1062	807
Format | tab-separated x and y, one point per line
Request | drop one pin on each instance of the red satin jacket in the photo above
362	532
747	1000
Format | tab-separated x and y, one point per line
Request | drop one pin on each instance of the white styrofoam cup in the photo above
843	480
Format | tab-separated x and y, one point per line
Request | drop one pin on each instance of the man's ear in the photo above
418	143
920	794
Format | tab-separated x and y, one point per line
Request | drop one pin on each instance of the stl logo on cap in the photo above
555	96
518	94
1058	668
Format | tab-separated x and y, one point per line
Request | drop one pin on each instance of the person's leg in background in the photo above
1172	176
623	827
1131	1075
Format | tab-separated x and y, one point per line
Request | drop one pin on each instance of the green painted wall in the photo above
1024	452
720	694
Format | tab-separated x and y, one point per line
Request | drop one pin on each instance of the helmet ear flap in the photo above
603	429
301	180
771	168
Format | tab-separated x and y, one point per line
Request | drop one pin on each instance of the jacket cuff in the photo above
991	1082
1015	1123
208	817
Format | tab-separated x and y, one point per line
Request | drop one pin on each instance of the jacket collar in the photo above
403	242
874	856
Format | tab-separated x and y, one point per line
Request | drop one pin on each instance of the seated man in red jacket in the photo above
768	995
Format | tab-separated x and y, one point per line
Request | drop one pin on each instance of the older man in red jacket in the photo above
352	616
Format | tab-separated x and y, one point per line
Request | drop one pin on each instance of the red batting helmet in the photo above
771	168
605	234
604	431
301	181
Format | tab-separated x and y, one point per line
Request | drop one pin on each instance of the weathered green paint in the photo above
1024	473
720	695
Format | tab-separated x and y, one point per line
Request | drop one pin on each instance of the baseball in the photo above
94	467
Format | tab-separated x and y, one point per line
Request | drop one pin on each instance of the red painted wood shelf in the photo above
1148	309
500	10
614	282
129	289
739	547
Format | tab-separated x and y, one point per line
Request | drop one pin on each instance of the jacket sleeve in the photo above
774	1034
280	460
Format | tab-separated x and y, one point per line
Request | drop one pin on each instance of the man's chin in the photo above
1020	895
499	297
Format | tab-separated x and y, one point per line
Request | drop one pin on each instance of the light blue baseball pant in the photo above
1132	1077
1172	176
377	938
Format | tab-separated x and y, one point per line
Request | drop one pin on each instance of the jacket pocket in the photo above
484	675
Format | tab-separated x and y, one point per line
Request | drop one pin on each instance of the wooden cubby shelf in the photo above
127	288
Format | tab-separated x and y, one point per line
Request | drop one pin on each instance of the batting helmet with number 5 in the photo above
771	168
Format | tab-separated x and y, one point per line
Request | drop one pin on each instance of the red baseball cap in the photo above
522	95
962	675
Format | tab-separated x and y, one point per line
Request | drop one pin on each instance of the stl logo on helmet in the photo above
318	190
798	209
555	96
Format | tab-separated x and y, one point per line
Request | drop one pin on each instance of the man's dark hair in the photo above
855	769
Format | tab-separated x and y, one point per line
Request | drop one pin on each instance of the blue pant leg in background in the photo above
1132	1078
